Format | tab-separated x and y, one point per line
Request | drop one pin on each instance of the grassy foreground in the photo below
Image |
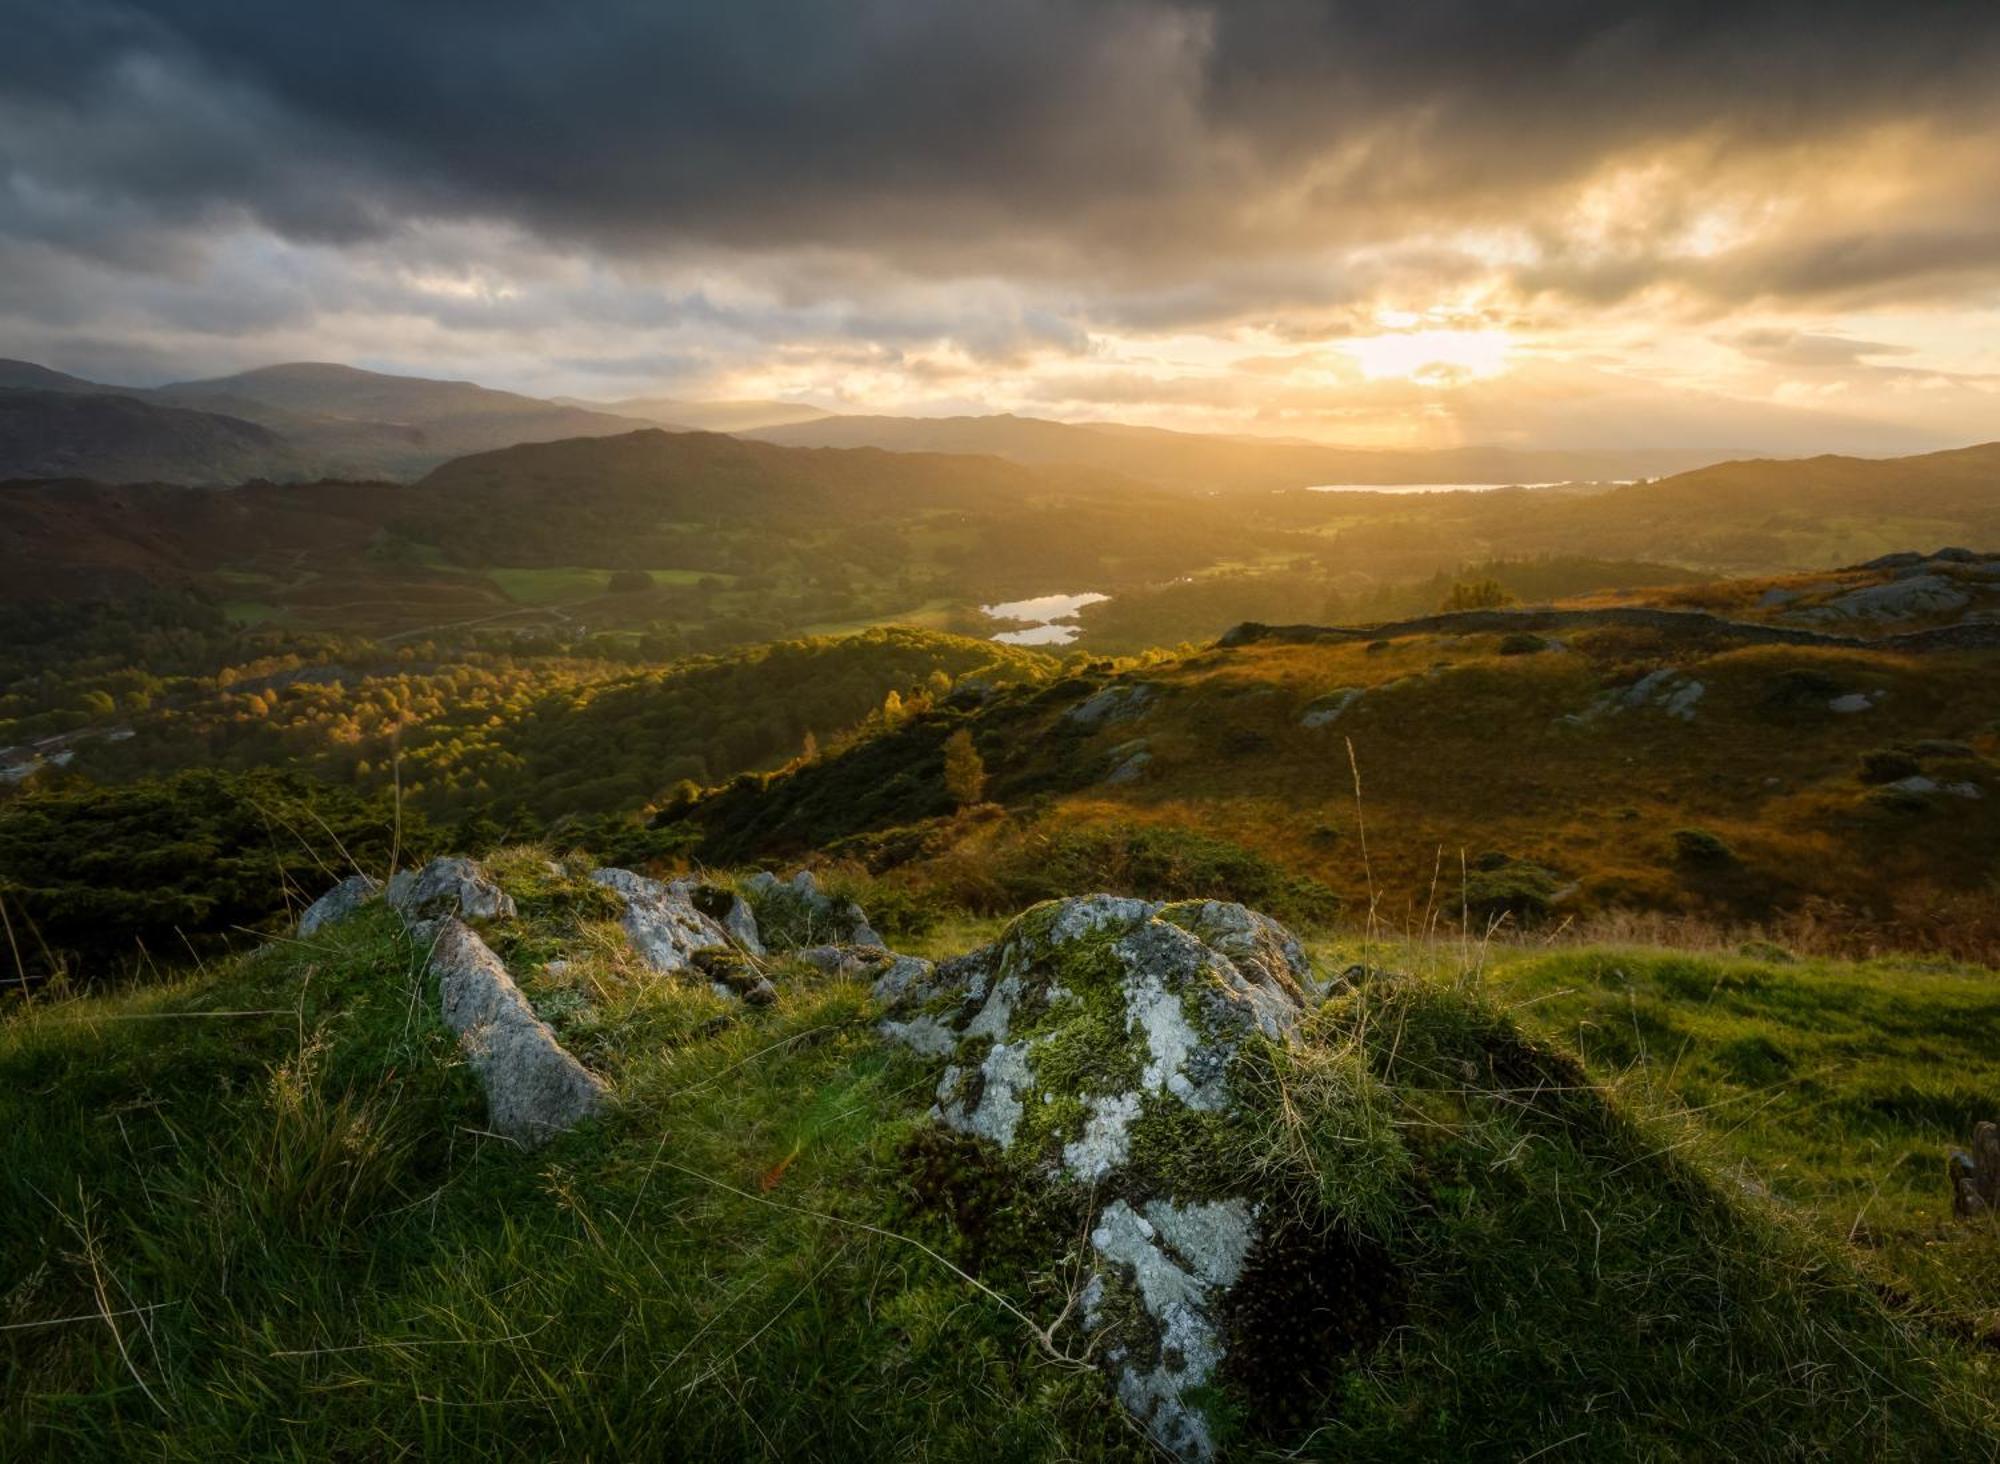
254	1214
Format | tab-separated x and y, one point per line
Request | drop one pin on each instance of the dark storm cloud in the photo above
1028	137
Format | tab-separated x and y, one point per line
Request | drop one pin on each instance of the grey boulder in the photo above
534	1088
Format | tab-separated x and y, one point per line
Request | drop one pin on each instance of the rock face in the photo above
796	913
338	903
670	924
448	886
534	1089
1097	1043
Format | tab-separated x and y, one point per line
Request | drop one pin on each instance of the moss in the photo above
1184	1154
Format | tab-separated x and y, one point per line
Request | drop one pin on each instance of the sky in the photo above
1762	224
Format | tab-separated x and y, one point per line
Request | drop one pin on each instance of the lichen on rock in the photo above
1100	1045
669	924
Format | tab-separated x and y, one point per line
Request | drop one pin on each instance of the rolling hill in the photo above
1208	463
312	420
74	431
681	415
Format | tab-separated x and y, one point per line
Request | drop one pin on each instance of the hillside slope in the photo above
766	1241
313	420
1209	463
1633	760
73	432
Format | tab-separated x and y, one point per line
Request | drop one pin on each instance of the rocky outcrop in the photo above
1129	761
1907	597
1096	1044
1121	703
1666	690
338	903
534	1089
454	886
669	924
796	913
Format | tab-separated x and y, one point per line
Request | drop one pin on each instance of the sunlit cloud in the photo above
1355	221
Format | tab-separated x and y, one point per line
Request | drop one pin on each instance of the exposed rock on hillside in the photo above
1665	690
534	1089
1099	1044
669	924
1906	598
338	903
797	913
1119	703
451	885
1129	761
1324	710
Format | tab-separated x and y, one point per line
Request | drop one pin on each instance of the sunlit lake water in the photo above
1420	487
1053	618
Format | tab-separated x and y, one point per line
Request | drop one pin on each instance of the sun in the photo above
1418	355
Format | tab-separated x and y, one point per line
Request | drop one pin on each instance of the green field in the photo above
571	583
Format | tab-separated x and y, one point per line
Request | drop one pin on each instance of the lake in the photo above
1052	618
1420	487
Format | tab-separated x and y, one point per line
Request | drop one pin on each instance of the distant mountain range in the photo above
307	421
686	416
1211	462
286	423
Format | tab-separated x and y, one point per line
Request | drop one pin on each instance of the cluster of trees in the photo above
100	882
522	739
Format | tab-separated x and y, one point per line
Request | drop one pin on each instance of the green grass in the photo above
1837	1086
549	586
273	1177
562	586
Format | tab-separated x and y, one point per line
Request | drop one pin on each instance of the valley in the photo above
1587	893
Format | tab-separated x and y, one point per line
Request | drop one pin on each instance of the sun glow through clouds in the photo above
1418	355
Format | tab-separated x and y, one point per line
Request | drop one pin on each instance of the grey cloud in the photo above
1802	348
942	131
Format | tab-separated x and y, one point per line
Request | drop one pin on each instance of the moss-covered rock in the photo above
1109	1049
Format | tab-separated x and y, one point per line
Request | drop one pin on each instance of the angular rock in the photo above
666	924
338	903
1076	1044
534	1089
448	886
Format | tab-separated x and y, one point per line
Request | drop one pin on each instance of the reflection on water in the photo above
1420	487
1053	618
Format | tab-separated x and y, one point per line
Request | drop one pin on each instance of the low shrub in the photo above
1499	887
1700	848
1887	764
